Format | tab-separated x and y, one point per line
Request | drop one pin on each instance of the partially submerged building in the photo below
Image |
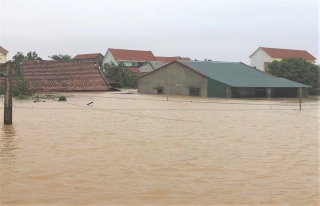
150	66
263	56
63	76
217	79
95	57
130	58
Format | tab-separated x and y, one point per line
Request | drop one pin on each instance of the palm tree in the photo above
123	77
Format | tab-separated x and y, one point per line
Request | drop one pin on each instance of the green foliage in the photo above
298	70
62	98
120	75
22	88
1	90
60	57
19	56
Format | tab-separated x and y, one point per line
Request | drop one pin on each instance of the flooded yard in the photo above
131	149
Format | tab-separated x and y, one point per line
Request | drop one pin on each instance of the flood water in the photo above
132	149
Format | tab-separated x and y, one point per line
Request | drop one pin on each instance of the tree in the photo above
298	70
33	56
120	75
18	57
60	57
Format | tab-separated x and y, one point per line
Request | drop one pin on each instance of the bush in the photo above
62	98
22	88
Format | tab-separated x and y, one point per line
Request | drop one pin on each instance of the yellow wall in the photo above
279	59
3	58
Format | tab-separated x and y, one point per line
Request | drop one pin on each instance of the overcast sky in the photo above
221	30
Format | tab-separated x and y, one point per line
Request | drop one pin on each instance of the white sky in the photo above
221	30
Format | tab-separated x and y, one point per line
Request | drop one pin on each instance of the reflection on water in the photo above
142	149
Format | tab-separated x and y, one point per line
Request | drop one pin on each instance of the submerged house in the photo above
130	58
96	57
217	79
63	76
263	56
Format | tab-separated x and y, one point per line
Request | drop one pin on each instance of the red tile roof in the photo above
286	53
2	81
3	50
171	59
136	55
87	56
133	69
50	75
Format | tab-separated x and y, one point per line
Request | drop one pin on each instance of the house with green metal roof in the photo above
217	79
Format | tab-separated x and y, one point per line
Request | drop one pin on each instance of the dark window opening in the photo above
260	92
194	91
157	90
285	92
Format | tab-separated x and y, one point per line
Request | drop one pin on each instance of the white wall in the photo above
258	58
109	58
3	58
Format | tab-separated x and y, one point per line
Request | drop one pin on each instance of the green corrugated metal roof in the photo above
238	74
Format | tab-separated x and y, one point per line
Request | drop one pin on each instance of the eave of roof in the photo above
3	50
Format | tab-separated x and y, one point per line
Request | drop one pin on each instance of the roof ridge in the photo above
131	49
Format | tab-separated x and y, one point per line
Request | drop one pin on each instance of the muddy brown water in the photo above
131	149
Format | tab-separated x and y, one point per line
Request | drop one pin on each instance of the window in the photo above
194	91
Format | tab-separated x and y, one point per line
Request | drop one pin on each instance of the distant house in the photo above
263	55
133	69
63	76
3	55
96	57
129	58
217	79
150	66
171	59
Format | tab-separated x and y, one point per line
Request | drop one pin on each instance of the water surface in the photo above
132	149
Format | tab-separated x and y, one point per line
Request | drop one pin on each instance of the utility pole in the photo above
300	103
8	94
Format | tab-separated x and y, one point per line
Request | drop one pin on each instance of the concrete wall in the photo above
108	57
175	79
259	58
3	58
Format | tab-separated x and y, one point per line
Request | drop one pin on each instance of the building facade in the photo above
263	55
130	58
3	55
